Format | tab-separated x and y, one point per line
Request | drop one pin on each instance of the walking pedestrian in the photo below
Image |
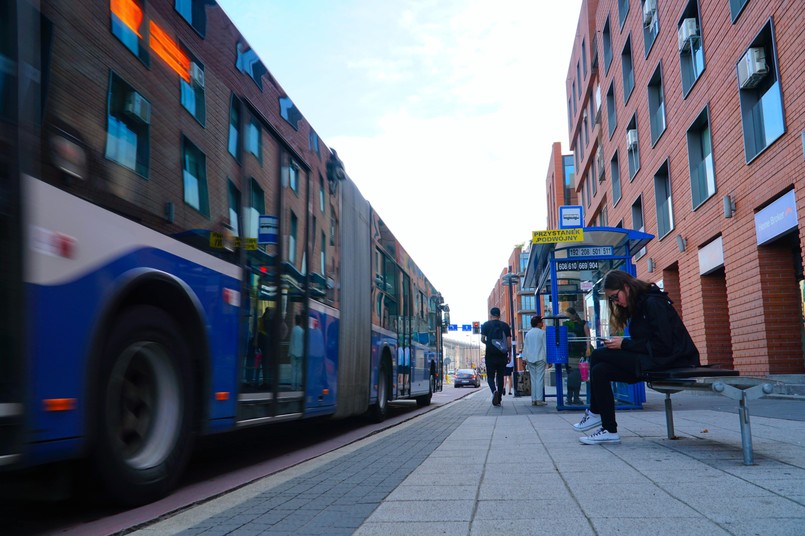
658	340
534	354
497	337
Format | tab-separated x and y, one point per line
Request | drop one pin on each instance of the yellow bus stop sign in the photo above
555	236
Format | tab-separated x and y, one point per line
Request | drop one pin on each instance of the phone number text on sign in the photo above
572	266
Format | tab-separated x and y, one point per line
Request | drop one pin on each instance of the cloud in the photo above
444	112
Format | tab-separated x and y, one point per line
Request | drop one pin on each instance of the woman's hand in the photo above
614	343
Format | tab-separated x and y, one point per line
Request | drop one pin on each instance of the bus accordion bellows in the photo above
182	255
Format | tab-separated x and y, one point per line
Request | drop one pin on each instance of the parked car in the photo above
467	376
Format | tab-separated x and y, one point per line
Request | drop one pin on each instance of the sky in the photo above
443	112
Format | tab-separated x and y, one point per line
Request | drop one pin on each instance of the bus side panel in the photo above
419	367
354	372
68	291
322	359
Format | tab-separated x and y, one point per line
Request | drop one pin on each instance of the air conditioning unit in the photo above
631	138
138	108
752	68
649	11
687	29
196	75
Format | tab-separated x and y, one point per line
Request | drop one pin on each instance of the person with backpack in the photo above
658	340
497	337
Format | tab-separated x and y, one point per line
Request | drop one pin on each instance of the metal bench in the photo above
725	382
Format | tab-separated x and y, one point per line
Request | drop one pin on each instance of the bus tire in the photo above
379	410
424	400
144	411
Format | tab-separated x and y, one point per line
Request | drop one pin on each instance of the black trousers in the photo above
607	366
495	369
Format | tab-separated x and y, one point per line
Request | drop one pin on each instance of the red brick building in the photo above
685	118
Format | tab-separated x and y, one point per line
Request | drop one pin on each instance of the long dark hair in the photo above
618	280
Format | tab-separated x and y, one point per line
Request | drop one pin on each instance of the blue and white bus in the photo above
181	254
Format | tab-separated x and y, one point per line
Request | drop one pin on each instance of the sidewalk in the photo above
470	468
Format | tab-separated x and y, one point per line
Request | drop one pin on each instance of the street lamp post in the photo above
510	279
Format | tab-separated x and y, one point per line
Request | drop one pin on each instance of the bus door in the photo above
404	334
260	310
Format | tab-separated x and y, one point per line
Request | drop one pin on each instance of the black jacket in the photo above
657	332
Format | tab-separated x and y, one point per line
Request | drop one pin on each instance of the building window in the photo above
127	25
257	206
292	239
234	127
332	226
615	171
623	11
736	7
700	160
289	112
583	190
293	177
127	131
247	62
612	113
606	41
569	172
656	105
193	91
194	173
569	114
322	197
585	138
637	222
573	94
587	193
580	81
523	262
628	70
323	254
313	142
651	24
691	51
233	195
632	147
761	100
662	198
254	139
194	12
584	58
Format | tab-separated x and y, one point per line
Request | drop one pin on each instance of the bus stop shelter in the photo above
568	270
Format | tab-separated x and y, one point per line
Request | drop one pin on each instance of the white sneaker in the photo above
601	437
588	422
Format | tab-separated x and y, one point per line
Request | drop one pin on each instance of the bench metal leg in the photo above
746	430
669	416
744	396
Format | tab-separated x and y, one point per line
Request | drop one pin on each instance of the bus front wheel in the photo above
144	413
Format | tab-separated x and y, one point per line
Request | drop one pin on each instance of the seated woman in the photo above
658	340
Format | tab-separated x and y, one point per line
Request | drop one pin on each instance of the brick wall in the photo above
761	334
